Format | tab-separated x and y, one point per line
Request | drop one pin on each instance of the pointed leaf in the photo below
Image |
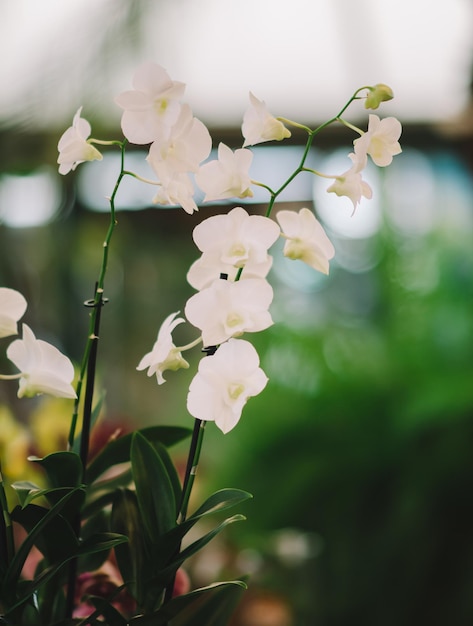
153	488
97	543
98	523
100	542
169	544
57	541
101	494
212	606
194	547
24	488
221	500
14	570
171	470
64	469
131	556
26	495
118	451
105	609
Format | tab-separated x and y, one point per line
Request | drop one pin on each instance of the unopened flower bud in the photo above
377	94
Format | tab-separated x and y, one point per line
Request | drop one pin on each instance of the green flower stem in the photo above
88	369
285	120
190	345
351	126
311	135
143	179
189	477
97	300
191	468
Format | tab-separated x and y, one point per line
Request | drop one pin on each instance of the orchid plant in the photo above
112	530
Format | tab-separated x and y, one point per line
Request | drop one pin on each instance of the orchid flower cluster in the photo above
233	246
232	298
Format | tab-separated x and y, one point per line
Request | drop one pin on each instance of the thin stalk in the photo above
191	469
311	135
98	297
87	370
189	477
97	303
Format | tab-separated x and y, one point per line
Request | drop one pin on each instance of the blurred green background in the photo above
359	452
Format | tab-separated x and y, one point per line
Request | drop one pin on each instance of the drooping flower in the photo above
351	183
73	145
176	189
224	382
44	369
377	94
12	308
152	107
184	148
305	239
380	140
228	176
164	354
260	126
228	309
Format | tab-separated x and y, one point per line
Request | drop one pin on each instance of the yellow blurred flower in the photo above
14	446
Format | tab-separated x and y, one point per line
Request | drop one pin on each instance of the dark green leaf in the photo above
57	541
196	546
97	543
170	543
23	490
118	451
153	486
112	616
98	523
131	556
172	472
221	500
100	542
64	469
14	570
209	606
101	494
27	492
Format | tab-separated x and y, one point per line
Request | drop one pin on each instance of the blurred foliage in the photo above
375	463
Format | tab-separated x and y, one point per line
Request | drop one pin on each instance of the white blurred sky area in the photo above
303	57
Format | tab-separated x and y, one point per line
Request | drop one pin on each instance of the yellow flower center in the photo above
238	249
235	390
234	319
160	106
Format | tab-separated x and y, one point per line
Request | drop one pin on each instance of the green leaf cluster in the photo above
127	500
